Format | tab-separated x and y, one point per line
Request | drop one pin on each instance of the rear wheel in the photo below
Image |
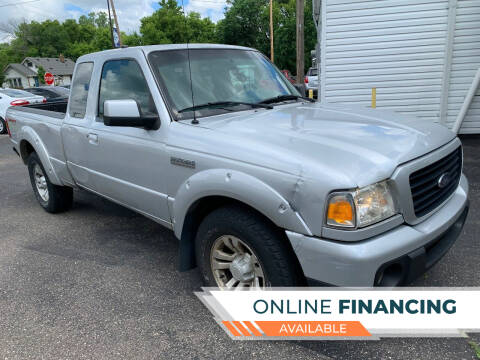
52	198
3	126
237	248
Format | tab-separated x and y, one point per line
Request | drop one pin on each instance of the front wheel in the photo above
52	198
237	248
3	126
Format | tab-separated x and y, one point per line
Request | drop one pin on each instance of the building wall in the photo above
12	74
465	63
59	79
401	47
63	80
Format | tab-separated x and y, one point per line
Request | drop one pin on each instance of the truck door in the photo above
76	125
127	164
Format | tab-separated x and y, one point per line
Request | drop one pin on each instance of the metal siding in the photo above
465	63
396	46
400	47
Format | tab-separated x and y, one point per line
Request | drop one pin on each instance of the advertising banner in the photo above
341	313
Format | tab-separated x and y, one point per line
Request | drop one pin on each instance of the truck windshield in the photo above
238	79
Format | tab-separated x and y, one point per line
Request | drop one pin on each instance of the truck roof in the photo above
149	48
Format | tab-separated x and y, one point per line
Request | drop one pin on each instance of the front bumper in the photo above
393	258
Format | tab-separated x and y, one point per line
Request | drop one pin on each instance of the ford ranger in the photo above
261	186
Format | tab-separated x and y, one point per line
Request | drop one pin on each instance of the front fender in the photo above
29	135
239	186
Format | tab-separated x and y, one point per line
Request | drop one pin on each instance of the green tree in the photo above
132	40
164	26
87	20
199	30
77	49
41	75
168	25
101	20
285	36
5	58
245	24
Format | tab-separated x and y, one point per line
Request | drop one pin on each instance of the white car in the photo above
14	97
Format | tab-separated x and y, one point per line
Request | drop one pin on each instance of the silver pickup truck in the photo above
261	186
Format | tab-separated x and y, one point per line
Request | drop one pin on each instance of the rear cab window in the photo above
79	90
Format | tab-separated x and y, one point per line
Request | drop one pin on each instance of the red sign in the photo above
49	79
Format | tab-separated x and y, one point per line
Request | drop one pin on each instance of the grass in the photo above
475	348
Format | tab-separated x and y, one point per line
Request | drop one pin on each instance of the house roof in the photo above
53	65
21	69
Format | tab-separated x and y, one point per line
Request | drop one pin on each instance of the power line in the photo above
19	3
209	2
40	12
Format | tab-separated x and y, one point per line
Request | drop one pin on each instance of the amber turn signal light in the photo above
340	211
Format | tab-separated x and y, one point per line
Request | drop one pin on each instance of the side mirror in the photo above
126	113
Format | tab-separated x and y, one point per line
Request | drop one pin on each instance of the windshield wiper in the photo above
220	104
281	98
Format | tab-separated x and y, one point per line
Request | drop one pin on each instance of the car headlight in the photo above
362	207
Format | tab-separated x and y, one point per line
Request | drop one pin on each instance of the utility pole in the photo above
300	41
271	31
116	23
317	20
110	24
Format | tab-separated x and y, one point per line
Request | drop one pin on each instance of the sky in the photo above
129	12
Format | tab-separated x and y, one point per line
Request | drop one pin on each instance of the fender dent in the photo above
241	187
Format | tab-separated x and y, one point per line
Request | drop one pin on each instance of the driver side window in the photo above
124	80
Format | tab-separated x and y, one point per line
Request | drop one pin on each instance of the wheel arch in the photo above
202	208
209	190
31	142
25	150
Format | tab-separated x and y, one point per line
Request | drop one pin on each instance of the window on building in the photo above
15	83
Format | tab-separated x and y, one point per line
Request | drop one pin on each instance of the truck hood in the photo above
360	145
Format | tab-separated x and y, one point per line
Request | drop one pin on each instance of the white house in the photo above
19	76
61	68
25	74
421	56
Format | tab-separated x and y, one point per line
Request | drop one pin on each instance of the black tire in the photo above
274	252
60	198
3	126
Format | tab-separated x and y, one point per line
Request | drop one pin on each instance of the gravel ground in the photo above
101	282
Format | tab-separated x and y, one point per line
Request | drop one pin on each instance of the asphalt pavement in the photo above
100	282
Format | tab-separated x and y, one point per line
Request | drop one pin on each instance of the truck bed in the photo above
54	106
42	112
41	125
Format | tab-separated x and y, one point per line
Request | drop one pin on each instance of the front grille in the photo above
427	194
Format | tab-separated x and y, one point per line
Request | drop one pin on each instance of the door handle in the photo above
92	139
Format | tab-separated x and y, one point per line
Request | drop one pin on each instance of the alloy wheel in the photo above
235	266
41	183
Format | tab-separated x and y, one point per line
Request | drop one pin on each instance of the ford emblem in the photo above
444	180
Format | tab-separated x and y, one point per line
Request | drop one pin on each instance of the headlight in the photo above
362	207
